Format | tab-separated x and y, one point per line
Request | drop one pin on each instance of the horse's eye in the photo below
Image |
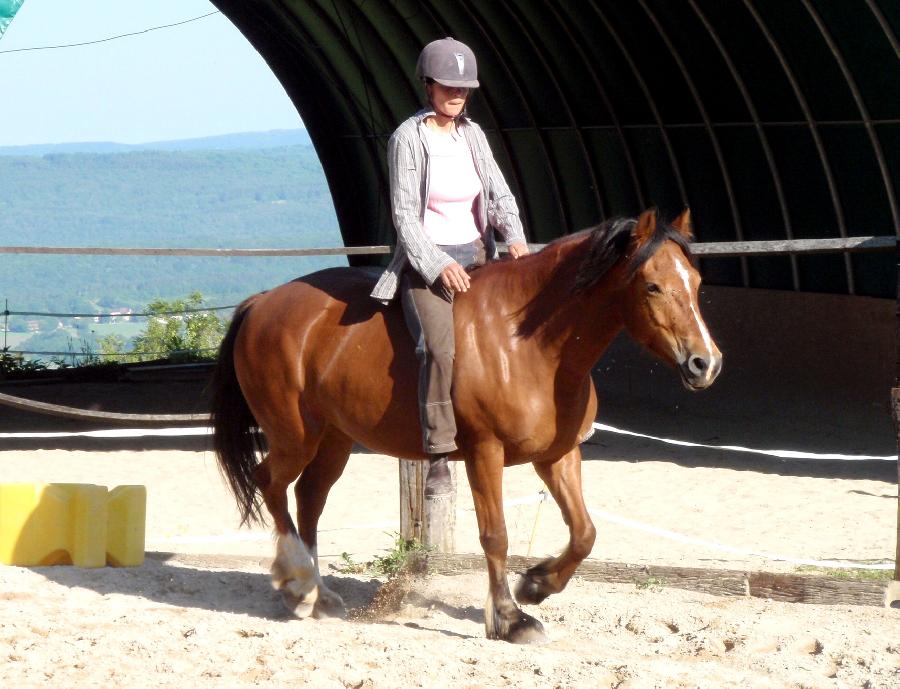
653	288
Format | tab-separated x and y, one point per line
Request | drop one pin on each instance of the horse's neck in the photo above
572	329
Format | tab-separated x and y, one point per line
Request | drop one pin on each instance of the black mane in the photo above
609	242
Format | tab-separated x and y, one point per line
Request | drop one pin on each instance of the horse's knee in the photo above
494	543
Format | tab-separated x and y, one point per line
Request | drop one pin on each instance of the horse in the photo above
317	365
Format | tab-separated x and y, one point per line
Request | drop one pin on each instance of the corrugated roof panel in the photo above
771	118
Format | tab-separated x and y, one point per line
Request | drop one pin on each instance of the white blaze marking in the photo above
704	333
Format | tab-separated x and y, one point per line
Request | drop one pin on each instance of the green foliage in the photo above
398	558
10	362
848	574
654	584
348	565
395	561
171	333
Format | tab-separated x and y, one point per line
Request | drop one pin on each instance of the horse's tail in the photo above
236	436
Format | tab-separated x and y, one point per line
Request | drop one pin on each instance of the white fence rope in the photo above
784	454
714	545
198	431
599	514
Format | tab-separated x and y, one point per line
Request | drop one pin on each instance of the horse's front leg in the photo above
502	617
563	479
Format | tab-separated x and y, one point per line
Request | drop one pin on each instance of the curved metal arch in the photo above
565	103
327	72
317	57
347	48
521	200
713	137
598	84
761	133
879	15
863	111
377	142
817	138
673	159
359	14
548	161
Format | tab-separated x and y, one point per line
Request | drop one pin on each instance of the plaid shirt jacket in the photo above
407	156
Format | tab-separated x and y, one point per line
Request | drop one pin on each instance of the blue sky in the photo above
199	79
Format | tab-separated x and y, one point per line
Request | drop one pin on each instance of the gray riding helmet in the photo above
449	63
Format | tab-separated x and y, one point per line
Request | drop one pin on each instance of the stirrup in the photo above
438	481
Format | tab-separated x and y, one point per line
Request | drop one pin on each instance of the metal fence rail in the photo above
723	249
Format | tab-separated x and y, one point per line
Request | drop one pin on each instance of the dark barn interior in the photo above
770	119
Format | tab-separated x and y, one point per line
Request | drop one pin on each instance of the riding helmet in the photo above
449	62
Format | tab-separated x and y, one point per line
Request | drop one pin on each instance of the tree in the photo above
179	330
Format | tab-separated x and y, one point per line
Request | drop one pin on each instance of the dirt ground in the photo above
201	611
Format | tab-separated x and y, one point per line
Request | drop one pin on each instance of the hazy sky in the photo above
199	79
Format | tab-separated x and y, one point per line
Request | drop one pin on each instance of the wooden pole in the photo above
431	521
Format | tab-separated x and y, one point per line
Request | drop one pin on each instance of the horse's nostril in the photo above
698	365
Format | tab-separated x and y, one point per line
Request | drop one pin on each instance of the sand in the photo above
201	612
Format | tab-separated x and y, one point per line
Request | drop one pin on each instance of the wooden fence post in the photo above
431	521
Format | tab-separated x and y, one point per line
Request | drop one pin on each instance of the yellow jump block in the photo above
72	524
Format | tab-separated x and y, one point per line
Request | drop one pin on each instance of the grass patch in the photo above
848	574
395	561
650	584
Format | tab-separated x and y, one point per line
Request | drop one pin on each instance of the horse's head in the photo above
661	308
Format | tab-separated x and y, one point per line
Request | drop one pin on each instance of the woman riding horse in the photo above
317	367
445	187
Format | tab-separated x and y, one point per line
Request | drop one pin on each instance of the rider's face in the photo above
447	100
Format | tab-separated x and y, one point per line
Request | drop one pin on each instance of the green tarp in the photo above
8	9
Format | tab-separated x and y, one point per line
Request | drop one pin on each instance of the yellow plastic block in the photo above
72	524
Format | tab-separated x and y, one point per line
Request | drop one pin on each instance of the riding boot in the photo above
438	482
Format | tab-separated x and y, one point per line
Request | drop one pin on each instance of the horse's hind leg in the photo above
311	492
293	443
563	479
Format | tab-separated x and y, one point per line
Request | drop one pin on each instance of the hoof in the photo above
530	590
514	626
329	605
526	630
298	598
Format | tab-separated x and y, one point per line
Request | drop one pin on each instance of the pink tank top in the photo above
454	185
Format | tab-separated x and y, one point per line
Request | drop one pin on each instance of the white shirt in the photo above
453	186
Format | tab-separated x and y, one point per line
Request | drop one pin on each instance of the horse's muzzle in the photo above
699	372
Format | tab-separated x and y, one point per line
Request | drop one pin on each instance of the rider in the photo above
446	194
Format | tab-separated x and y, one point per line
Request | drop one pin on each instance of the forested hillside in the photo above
275	197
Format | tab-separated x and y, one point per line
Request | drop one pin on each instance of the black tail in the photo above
236	437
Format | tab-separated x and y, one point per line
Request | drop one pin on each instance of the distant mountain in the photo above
276	138
263	198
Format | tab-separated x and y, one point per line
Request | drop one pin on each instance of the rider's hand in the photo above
455	278
518	249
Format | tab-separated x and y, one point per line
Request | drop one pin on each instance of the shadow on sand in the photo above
211	582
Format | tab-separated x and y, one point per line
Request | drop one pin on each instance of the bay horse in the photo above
318	365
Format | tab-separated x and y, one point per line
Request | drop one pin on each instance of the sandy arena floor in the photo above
207	616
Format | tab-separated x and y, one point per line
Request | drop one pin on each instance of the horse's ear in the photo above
684	225
646	226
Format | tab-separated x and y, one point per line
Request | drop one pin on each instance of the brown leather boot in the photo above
438	481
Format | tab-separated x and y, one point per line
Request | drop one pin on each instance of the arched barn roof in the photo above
771	119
